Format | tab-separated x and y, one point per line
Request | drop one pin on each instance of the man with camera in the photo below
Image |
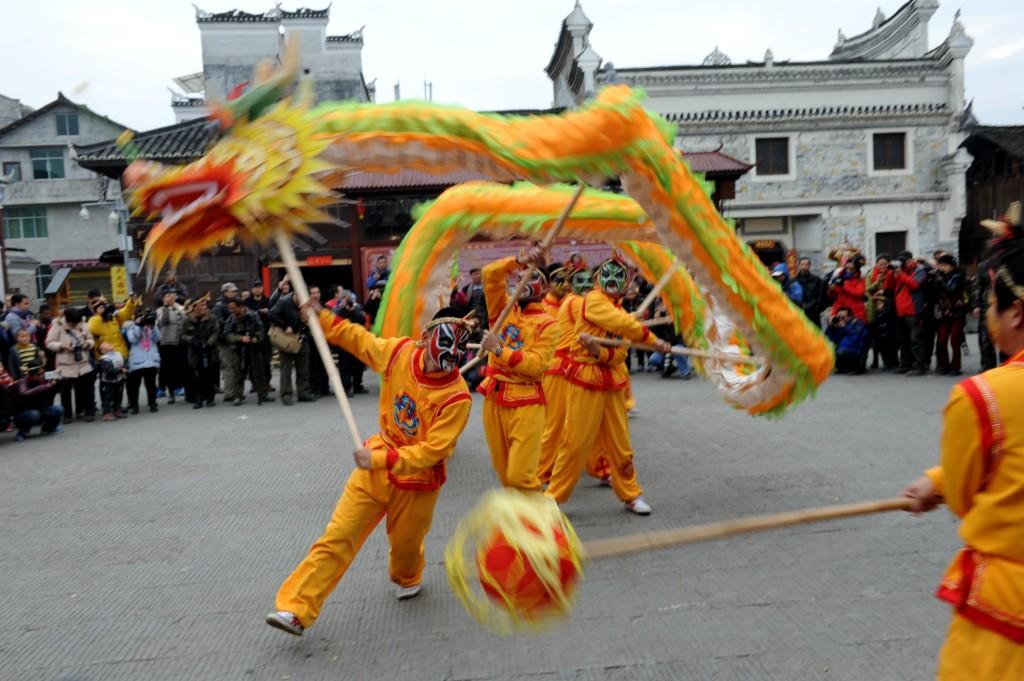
911	278
850	336
288	334
242	333
71	343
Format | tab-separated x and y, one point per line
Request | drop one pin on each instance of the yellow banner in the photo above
119	282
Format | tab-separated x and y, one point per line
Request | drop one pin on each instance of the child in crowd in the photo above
25	354
112	371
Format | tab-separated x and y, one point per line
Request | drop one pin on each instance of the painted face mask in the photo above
446	343
611	277
581	282
534	289
559	282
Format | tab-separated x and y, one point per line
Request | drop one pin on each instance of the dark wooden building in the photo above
994	180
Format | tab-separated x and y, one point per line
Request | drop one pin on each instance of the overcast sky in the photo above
119	56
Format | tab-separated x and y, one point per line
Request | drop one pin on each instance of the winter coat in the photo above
952	295
62	339
145	350
18	319
285	313
849	291
201	336
814	297
110	331
910	291
246	324
851	339
170	319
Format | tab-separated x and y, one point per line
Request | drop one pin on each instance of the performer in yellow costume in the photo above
556	387
981	479
595	401
424	406
521	352
558	287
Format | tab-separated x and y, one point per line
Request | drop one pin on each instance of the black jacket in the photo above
815	298
285	313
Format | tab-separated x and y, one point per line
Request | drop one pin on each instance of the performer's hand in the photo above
306	310
490	342
534	256
590	345
924	494
363	457
662	346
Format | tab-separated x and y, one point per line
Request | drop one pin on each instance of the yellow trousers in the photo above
972	653
556	389
598	418
367	498
514	438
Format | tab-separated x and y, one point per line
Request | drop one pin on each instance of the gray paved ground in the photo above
151	548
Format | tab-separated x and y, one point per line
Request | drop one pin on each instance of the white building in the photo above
234	42
859	147
42	201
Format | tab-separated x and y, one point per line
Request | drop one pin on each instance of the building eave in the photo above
60	101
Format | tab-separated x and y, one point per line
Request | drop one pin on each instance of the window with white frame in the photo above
12	171
25	222
889	151
47	164
67	123
772	156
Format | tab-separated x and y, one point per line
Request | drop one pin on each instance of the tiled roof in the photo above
715	163
1010	138
356	37
61	99
235	16
307	13
173	143
828	112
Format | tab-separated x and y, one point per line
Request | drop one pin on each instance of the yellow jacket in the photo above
603	317
982	480
421	414
110	332
568	313
528	337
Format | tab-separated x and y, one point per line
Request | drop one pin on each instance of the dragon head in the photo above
260	179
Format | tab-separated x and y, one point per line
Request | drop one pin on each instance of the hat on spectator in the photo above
947	259
256	282
228	287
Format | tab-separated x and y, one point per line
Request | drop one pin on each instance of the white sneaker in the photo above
404	593
606	481
285	621
632	413
639	506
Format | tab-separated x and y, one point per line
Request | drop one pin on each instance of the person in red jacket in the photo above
848	288
910	279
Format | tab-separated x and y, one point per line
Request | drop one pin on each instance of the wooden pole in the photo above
545	246
684	352
659	321
639	312
645	541
291	265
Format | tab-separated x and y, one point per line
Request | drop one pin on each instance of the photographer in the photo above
170	320
850	336
351	369
847	288
201	335
911	277
881	309
143	360
30	401
289	337
373	301
242	334
71	343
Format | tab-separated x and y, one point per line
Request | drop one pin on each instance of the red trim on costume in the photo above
394	355
434	381
392	459
1019	357
647	334
575	368
458	397
515	358
987	409
439	476
963	596
559	362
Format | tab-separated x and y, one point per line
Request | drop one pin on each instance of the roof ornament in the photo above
274	12
717	58
201	13
611	76
769	58
357	34
879	18
840	37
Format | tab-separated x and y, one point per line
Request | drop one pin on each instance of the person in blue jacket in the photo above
780	273
852	340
